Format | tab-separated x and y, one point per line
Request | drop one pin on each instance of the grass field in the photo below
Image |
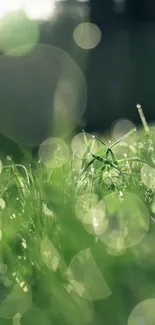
77	231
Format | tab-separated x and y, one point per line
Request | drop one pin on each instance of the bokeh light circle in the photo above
70	97
128	220
82	142
34	316
84	204
42	94
87	35
49	254
144	252
143	313
18	34
53	153
18	301
91	212
121	127
92	286
148	176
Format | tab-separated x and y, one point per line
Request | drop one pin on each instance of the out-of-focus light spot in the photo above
3	268
87	35
18	34
121	127
115	251
38	9
0	234
16	319
144	252
8	158
17	301
119	5
82	143
2	203
9	5
128	221
91	213
85	203
19	257
53	153
47	211
24	245
70	95
83	0
92	286
32	82
35	316
50	255
148	176
25	289
143	313
1	166
153	205
7	282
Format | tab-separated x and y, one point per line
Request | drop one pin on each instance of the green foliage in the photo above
77	242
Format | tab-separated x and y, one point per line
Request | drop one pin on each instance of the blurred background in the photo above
69	65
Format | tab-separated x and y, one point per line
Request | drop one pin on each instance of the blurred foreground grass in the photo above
77	241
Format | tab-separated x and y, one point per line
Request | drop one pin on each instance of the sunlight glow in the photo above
34	9
39	9
9	5
18	34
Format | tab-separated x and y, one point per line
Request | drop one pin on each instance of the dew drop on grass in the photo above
24	244
47	211
143	313
85	277
2	203
1	166
0	234
53	153
16	319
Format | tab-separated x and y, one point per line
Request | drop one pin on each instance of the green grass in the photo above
77	242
